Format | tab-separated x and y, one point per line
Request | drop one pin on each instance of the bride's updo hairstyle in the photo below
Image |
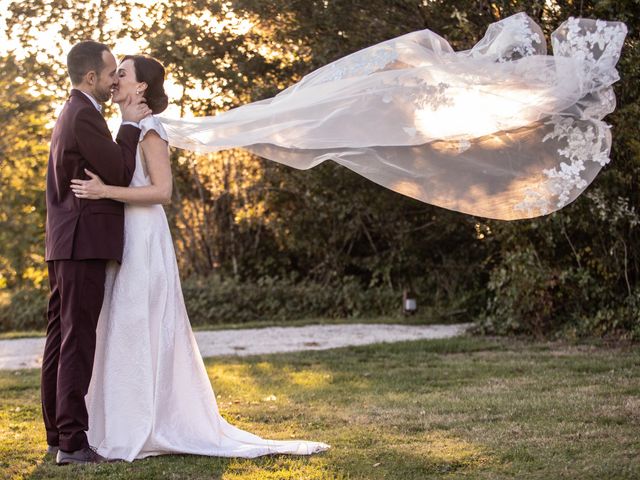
151	71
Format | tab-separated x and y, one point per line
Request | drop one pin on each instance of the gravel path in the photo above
27	352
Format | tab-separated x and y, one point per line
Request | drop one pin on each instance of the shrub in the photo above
216	300
23	309
213	300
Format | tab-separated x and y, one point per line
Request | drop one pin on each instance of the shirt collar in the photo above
93	100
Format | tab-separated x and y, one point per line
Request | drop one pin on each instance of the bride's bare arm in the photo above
156	154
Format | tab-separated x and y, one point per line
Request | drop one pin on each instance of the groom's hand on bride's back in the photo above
134	109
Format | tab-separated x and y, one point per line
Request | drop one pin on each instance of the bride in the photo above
149	392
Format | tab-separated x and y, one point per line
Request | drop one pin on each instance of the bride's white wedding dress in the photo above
150	393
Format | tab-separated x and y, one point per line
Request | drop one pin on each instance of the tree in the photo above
23	146
245	218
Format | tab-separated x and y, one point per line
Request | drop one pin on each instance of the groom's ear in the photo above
91	77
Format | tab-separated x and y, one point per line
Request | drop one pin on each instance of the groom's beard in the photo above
103	95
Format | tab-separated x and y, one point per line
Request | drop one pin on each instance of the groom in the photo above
81	236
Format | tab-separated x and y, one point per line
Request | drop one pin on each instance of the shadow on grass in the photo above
166	466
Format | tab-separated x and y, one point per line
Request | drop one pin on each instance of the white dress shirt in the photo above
99	108
93	100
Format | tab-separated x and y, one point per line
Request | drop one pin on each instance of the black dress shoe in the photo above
82	456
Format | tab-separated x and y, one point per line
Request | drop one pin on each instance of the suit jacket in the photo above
79	229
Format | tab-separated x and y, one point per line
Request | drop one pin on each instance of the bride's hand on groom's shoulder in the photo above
134	109
92	189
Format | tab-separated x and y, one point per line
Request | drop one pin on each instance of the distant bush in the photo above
543	301
554	278
24	309
215	300
526	295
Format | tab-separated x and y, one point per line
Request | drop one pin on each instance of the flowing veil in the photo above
502	130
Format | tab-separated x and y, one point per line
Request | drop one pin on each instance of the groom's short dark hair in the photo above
85	57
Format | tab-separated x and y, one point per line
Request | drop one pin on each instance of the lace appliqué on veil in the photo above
422	95
582	144
525	39
510	39
366	64
382	112
596	44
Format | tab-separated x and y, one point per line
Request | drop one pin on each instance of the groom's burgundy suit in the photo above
81	235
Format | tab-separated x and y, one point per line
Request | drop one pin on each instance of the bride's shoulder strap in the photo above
152	123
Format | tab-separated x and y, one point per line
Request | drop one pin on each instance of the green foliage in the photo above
343	245
577	271
571	274
220	300
23	309
23	153
214	300
217	300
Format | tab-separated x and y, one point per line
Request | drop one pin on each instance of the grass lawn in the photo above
460	408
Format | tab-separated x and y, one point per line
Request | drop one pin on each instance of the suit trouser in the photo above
77	291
